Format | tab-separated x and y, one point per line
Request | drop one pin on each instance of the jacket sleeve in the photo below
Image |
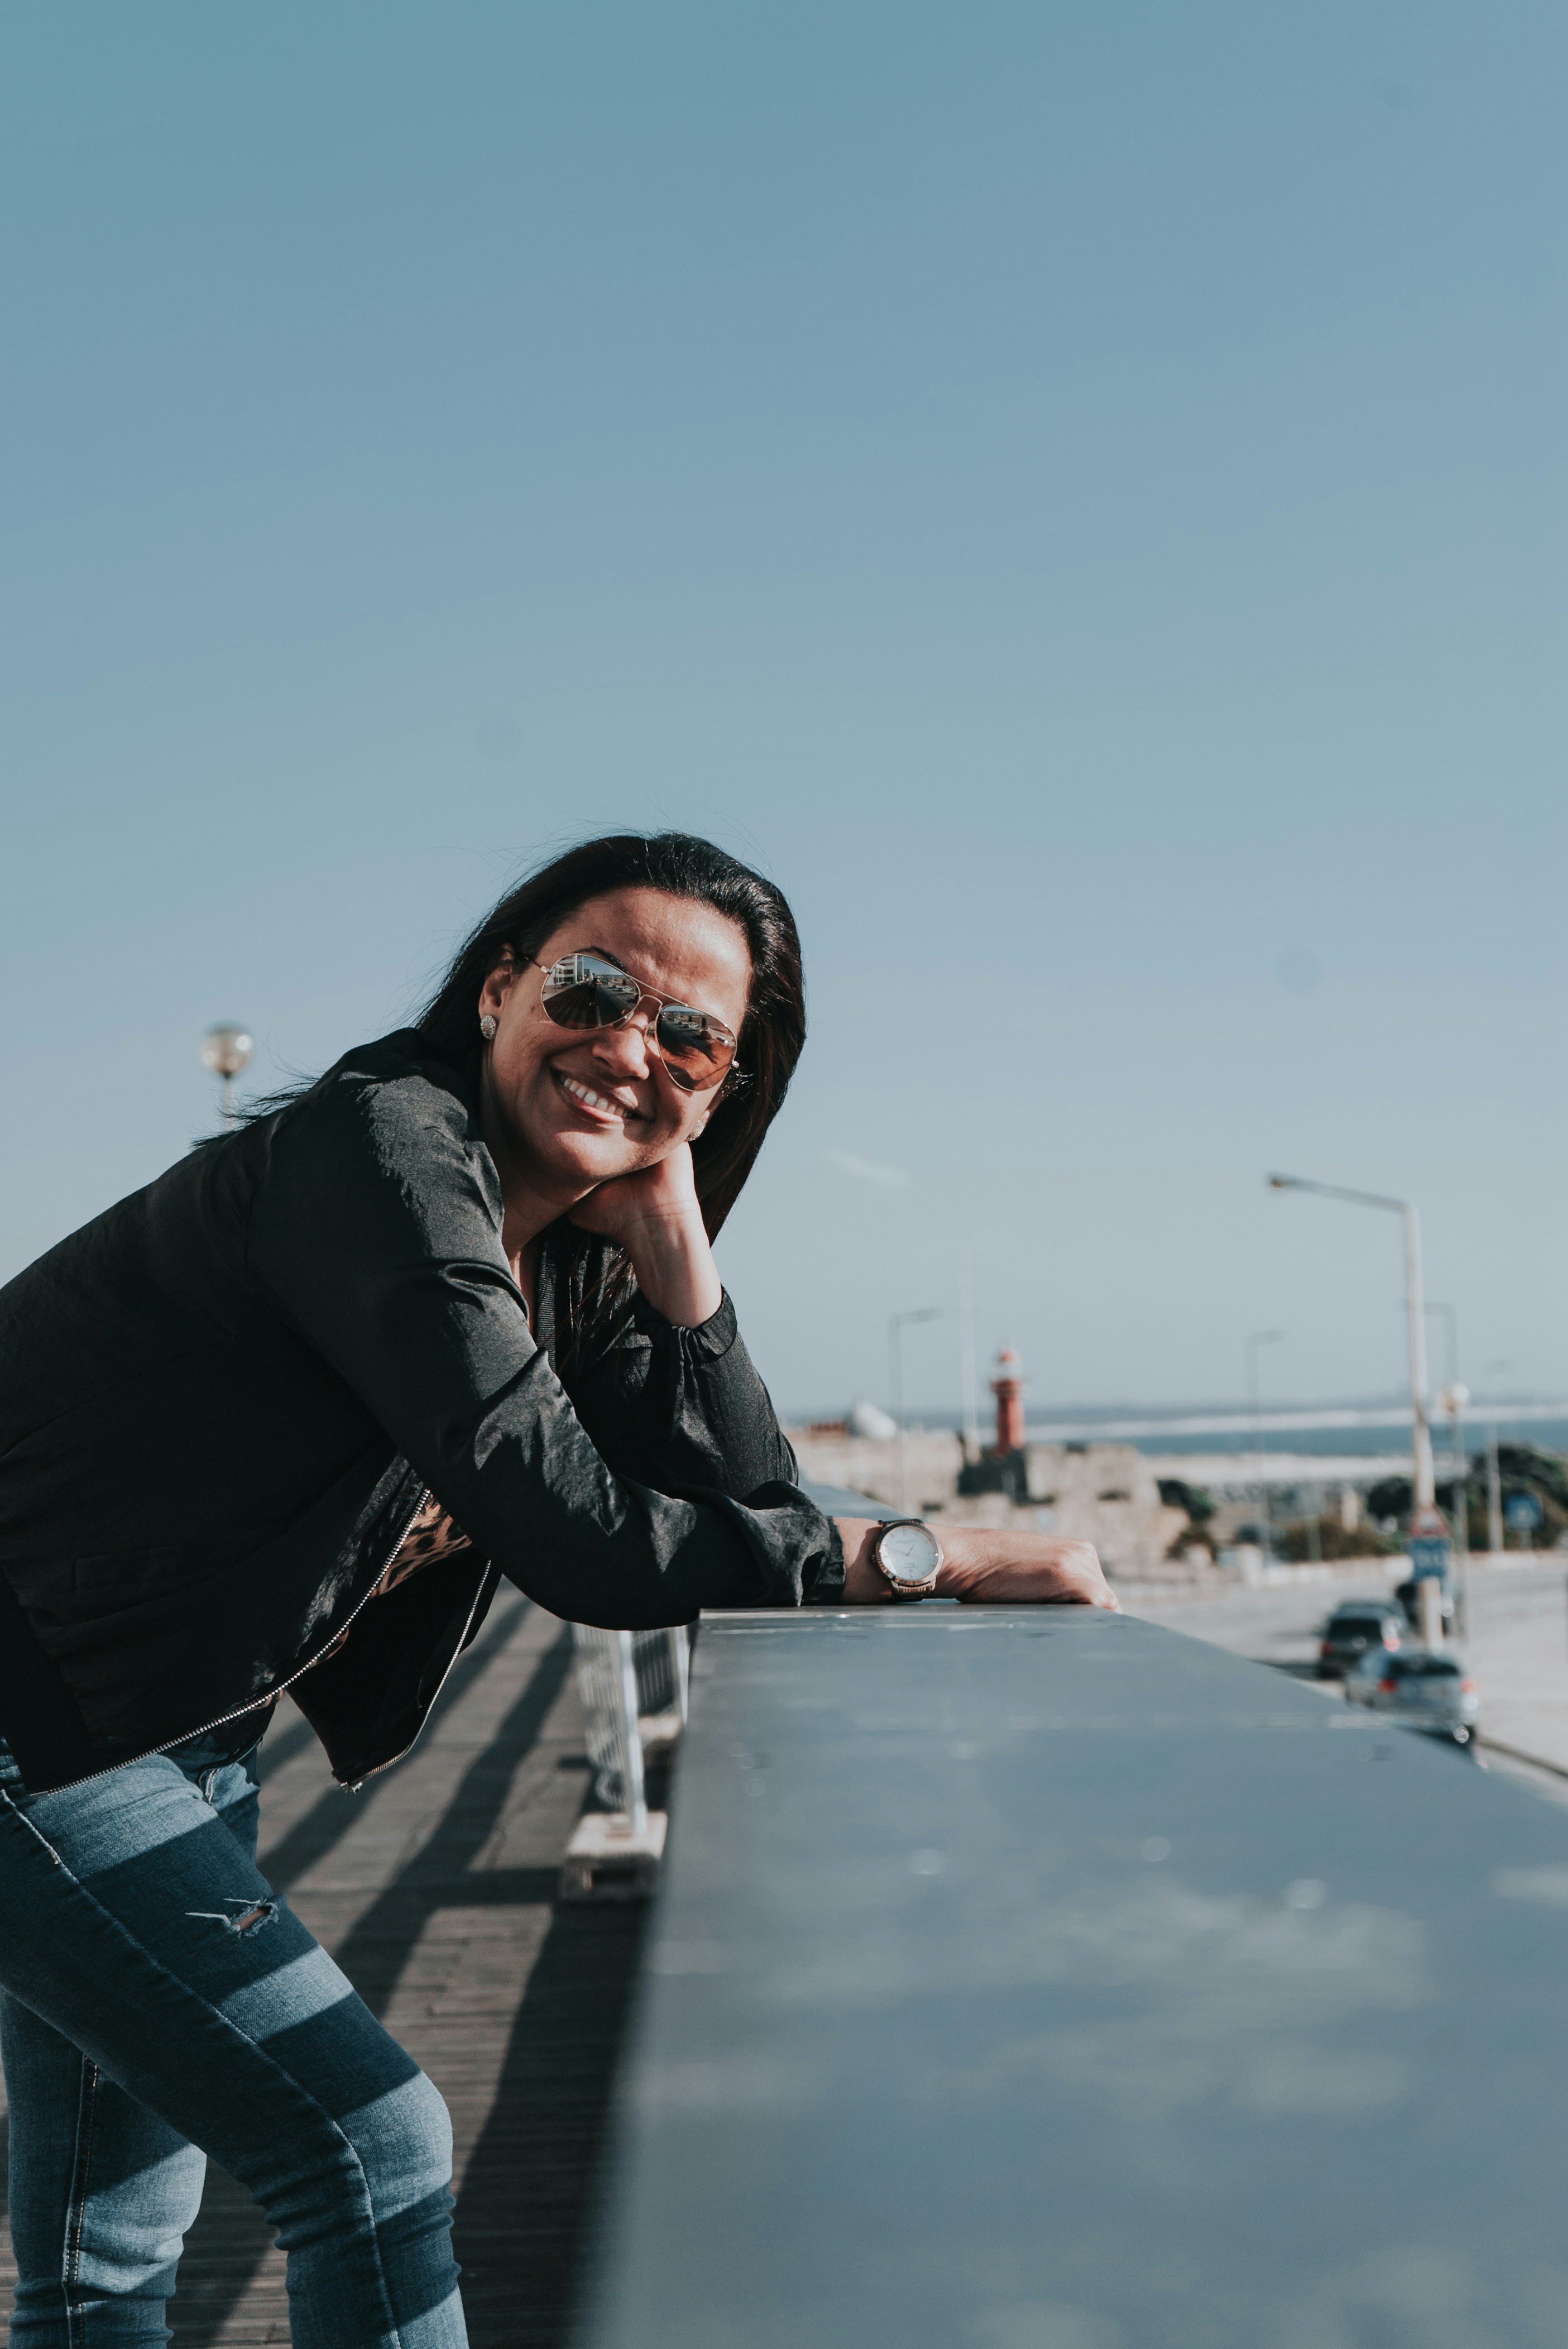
377	1230
681	1408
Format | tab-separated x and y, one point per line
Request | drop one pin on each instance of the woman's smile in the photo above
604	1110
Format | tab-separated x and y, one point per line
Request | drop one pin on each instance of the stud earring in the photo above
487	1028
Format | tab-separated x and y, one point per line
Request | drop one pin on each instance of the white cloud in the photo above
869	1170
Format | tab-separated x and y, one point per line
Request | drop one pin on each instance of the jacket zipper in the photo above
283	1686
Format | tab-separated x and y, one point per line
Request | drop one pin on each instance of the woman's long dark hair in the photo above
681	865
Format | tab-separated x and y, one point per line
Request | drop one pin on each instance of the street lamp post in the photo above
1255	1399
968	1389
1423	1476
1450	1322
1452	1401
895	1328
226	1050
1494	1540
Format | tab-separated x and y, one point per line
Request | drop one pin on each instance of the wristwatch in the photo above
908	1555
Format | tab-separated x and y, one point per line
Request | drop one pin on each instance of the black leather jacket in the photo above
222	1401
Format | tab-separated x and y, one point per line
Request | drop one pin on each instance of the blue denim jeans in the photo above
158	2004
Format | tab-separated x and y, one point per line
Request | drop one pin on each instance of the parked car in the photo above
1421	1691
1353	1628
1408	1594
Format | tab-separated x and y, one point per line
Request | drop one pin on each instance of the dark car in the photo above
1354	1627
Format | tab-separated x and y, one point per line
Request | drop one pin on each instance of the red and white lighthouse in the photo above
1007	1386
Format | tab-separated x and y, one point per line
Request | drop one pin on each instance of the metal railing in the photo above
632	1686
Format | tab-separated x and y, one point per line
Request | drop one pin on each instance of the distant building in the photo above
1104	1493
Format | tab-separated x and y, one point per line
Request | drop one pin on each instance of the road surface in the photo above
1516	1651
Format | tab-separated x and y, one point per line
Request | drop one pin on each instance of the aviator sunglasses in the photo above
588	990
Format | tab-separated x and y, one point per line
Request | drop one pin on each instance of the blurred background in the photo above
1077	495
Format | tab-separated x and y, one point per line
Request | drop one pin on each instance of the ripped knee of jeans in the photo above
253	1916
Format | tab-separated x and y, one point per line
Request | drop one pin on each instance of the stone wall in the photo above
866	1464
1106	1493
1102	1493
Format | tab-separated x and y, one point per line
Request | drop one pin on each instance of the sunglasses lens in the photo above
583	992
697	1050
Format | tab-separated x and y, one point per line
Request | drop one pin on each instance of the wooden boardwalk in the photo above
434	1891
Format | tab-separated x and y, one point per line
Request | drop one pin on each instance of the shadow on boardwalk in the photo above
516	2008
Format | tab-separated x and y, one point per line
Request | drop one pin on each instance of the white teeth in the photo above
594	1100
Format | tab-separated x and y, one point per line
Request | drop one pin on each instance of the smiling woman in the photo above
460	1296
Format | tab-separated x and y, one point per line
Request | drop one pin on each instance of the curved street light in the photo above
1420	1431
1422	1476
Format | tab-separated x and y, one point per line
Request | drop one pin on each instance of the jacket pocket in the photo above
104	1580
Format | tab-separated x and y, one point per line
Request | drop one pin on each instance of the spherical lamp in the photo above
226	1048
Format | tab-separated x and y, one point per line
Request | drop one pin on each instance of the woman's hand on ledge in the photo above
987	1569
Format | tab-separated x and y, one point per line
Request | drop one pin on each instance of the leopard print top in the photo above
431	1536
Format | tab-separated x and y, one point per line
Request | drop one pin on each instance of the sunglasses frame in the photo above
729	1078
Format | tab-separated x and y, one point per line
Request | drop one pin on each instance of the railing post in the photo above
680	1666
631	1740
615	1851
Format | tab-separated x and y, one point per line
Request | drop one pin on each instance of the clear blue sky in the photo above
1077	493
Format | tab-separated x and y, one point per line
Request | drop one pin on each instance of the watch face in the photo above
910	1553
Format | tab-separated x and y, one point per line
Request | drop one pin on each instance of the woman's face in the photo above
577	1107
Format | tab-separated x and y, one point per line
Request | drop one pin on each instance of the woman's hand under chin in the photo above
655	1216
662	1193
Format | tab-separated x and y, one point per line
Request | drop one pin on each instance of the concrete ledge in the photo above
1025	1978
